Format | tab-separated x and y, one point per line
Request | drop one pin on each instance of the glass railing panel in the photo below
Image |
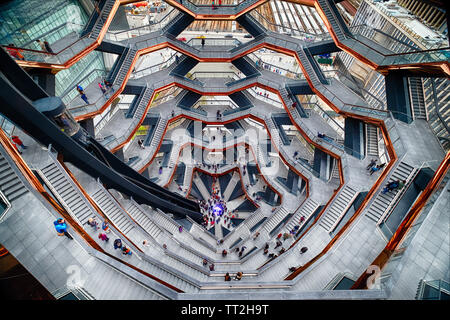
145	29
394	51
225	3
417	57
234	82
23	54
71	93
288	73
299	34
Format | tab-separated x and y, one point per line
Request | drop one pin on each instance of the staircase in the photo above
372	140
417	98
140	216
163	221
174	156
273	129
230	187
309	70
112	283
335	178
332	18
251	25
10	184
338	208
105	12
246	66
307	209
275	219
201	187
285	97
383	202
157	136
260	159
437	100
124	67
177	24
67	193
113	210
137	110
188	176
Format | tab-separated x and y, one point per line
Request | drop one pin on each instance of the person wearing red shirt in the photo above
19	142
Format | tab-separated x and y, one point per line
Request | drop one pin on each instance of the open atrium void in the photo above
224	150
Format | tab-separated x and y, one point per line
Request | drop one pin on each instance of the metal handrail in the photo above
323	36
150	25
50	31
373	49
52	54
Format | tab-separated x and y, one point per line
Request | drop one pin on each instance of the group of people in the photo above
205	264
267	66
394	185
297	227
105	86
210	215
373	167
118	245
274	254
279	243
104	237
16	53
238	276
240	251
264	94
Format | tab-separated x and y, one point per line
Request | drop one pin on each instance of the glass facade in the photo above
88	68
6	125
22	22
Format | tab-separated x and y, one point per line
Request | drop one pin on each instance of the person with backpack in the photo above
126	251
61	228
117	244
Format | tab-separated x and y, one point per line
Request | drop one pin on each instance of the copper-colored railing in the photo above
35	183
403	229
369	196
76	57
443	65
197	16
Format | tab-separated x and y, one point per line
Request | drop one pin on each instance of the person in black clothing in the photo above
371	164
47	47
278	244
